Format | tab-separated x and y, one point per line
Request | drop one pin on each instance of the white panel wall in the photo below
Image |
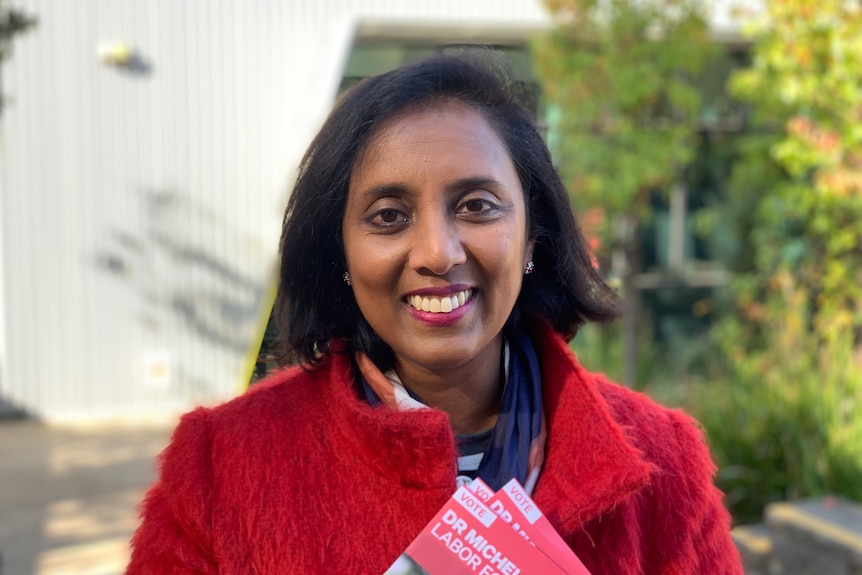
140	210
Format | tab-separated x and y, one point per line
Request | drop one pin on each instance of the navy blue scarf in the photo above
517	444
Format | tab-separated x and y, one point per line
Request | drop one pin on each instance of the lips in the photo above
439	304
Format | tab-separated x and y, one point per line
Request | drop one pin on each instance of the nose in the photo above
436	245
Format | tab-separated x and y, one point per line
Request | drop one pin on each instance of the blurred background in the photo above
713	151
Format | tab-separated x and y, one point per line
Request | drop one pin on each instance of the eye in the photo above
476	207
388	217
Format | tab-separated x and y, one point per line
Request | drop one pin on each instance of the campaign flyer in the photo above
467	538
514	505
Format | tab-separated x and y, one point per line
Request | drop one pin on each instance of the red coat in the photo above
300	476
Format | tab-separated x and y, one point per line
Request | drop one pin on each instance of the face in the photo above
436	237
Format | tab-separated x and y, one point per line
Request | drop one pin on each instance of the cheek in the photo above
501	257
513	245
372	291
374	274
361	254
372	277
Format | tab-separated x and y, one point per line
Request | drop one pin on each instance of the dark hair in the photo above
314	308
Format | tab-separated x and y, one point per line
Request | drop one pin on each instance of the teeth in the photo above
440	304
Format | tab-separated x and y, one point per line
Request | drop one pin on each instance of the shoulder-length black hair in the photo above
314	308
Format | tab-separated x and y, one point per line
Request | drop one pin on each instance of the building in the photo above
146	155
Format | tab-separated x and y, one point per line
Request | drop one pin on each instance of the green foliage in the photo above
780	406
598	347
783	420
620	72
805	91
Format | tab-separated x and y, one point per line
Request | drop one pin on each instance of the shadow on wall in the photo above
179	278
8	411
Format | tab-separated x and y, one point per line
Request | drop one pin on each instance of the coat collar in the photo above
590	466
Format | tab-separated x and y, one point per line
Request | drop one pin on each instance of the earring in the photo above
346	278
529	269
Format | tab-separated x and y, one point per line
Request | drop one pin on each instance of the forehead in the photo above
452	132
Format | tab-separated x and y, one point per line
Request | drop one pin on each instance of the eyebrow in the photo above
396	188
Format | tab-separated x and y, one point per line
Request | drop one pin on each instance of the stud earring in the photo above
529	269
346	278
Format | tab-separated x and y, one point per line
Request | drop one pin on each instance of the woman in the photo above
431	275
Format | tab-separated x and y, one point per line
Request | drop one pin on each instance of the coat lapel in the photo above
589	464
413	448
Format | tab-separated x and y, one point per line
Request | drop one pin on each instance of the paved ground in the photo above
68	495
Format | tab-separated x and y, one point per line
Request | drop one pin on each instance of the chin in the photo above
441	361
443	355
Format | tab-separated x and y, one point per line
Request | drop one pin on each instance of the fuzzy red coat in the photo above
300	476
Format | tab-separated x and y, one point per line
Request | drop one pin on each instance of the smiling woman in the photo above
436	242
431	275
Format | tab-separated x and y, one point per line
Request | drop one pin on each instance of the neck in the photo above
469	394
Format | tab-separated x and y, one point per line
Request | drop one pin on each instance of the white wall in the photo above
141	210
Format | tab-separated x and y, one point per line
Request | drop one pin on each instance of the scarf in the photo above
517	444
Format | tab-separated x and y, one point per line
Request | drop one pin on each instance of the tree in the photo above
805	91
621	74
785	423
